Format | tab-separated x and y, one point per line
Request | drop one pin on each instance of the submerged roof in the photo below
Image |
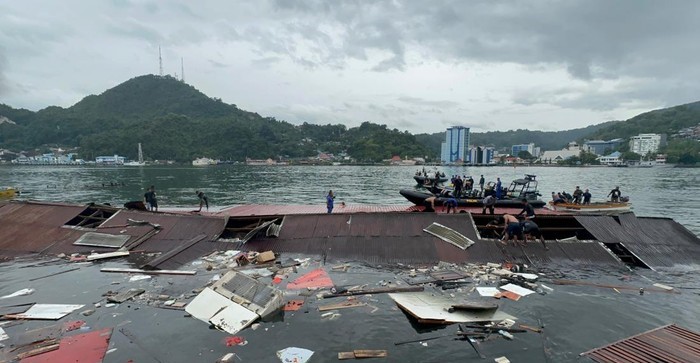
670	343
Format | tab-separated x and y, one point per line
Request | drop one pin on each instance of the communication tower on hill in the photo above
160	61
182	70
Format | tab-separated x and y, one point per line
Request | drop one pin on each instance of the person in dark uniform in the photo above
150	200
578	193
329	201
586	197
615	195
203	200
481	182
528	211
531	229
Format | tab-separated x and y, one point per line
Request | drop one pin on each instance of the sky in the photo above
417	65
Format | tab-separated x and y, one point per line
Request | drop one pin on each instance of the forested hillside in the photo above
175	121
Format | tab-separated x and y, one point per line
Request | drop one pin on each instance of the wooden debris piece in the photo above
100	256
154	272
342	305
125	295
361	353
37	351
376	291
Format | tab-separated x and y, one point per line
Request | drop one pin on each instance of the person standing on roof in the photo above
488	203
498	188
586	197
578	193
329	201
615	195
203	201
150	200
531	229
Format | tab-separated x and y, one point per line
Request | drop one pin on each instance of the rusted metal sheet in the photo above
658	242
33	228
670	343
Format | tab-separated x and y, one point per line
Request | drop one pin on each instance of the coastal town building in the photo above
480	155
555	156
110	160
601	147
516	149
614	158
643	144
454	148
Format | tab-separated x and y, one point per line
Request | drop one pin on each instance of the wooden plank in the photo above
37	351
370	353
100	256
147	272
342	305
376	291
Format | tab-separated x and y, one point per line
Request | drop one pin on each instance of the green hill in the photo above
663	121
173	120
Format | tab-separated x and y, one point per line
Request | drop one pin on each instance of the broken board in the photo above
46	312
359	354
125	295
233	318
342	305
433	309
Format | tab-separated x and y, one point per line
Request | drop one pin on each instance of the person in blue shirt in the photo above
586	197
451	204
498	188
329	201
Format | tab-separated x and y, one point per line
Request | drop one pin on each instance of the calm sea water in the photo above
668	192
576	318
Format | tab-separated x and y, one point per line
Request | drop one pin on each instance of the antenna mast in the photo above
182	70
160	61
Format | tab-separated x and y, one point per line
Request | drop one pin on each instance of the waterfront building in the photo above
600	147
480	155
110	160
612	159
455	147
643	144
530	148
555	156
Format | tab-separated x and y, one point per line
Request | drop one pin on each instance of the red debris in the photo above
235	340
293	305
315	279
82	348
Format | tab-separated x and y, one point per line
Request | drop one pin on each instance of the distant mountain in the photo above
173	120
662	121
547	140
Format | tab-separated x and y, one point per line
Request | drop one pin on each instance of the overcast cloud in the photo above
413	65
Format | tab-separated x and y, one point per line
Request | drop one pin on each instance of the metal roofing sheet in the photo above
670	343
31	228
655	241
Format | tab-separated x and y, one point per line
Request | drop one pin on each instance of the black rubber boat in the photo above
418	198
511	197
422	180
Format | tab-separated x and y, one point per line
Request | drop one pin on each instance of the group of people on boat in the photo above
583	197
464	186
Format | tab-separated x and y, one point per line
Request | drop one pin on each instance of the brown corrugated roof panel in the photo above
670	343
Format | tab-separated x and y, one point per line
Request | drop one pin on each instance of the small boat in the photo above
8	193
137	163
422	180
595	207
519	189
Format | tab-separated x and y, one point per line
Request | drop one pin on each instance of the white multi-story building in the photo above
643	144
456	145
